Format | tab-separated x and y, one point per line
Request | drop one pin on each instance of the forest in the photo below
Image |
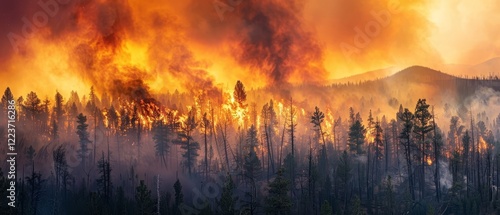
240	151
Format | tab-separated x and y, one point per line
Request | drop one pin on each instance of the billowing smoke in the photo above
107	45
275	42
446	179
484	100
188	44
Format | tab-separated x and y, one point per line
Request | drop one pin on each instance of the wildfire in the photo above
482	146
238	111
428	160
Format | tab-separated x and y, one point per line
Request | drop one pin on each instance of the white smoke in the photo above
484	100
445	179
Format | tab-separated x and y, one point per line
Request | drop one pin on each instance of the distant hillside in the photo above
489	68
486	69
384	95
420	74
366	76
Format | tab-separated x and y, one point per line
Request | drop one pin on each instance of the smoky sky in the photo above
270	42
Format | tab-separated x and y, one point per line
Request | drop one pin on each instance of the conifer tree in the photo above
145	205
83	135
278	201
227	201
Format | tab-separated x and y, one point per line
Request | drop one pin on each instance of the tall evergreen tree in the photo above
60	166
421	128
143	199
161	138
6	98
239	94
185	139
278	201
343	179
59	108
32	107
405	137
227	201
83	135
356	138
179	197
252	165
466	148
104	181
35	183
205	124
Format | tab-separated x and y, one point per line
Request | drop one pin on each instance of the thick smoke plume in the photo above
275	42
186	45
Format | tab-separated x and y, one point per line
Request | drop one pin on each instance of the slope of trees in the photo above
279	156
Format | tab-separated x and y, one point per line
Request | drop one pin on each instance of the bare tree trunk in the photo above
206	150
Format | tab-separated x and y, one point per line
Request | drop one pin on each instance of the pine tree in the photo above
83	135
239	94
437	140
379	149
161	138
58	108
145	205
112	116
356	208
277	200
179	197
466	148
405	137
104	181
54	131
120	203
6	98
326	209
252	165
269	124
421	128
35	183
356	138
292	127
32	107
343	178
60	166
185	139
389	198
317	119
227	201
205	124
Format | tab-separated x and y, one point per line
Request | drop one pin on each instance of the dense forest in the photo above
379	147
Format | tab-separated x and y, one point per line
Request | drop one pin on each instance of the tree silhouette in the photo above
161	138
185	139
83	135
421	128
32	106
278	201
405	137
104	181
145	205
59	108
356	138
239	94
227	202
179	197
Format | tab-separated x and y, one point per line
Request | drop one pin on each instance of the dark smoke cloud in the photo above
275	42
